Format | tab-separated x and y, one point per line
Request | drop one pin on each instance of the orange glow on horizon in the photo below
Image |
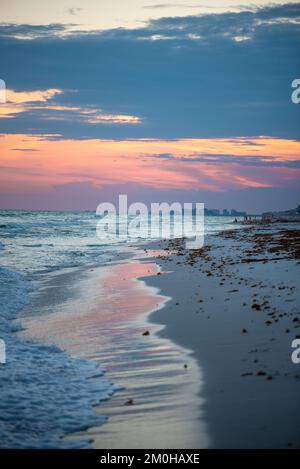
28	162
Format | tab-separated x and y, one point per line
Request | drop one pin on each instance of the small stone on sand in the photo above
129	402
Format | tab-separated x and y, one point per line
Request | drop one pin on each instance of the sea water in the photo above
44	393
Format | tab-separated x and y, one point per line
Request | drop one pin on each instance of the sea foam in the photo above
44	394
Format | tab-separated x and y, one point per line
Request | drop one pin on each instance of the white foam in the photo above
44	394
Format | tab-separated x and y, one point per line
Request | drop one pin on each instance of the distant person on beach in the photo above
235	220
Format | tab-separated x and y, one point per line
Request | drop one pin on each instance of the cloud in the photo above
74	10
24	149
202	164
18	97
217	75
20	101
40	103
158	6
26	32
223	159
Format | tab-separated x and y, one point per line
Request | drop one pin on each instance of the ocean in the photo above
44	393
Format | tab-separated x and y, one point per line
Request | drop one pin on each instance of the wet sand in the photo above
157	402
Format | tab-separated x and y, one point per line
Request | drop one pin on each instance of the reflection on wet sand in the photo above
158	404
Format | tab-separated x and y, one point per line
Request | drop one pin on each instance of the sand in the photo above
236	305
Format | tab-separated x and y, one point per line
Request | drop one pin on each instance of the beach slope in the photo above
235	303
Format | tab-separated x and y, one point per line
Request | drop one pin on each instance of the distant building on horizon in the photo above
215	212
236	213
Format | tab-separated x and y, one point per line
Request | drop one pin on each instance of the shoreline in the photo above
240	332
105	322
237	365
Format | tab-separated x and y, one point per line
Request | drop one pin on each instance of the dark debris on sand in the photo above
253	244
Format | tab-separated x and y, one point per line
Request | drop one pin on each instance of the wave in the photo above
45	394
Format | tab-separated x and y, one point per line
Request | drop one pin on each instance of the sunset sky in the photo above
174	101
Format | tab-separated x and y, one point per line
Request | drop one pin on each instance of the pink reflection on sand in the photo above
115	299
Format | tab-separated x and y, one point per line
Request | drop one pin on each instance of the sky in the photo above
108	14
171	101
